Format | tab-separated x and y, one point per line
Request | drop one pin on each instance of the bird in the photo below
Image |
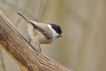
42	33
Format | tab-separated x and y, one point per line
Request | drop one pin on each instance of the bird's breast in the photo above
38	37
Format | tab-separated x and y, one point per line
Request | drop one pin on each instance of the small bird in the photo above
42	33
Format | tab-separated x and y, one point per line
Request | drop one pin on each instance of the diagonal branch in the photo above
28	58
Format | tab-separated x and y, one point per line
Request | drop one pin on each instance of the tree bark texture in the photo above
26	56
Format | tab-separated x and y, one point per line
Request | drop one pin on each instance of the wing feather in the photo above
45	30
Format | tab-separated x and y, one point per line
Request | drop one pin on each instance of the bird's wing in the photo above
45	30
41	27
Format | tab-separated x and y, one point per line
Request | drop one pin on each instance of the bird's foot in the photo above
39	49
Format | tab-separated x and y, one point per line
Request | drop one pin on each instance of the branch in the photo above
28	58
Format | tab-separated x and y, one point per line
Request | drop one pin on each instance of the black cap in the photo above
56	28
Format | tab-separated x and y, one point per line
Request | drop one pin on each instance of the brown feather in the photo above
39	32
46	31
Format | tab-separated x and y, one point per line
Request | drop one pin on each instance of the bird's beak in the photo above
61	35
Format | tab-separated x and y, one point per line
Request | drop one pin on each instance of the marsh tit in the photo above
42	33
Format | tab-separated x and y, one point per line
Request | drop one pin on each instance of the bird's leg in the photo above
29	40
39	48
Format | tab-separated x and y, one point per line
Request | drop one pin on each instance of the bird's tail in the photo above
23	17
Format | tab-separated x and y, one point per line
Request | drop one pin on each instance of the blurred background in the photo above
83	22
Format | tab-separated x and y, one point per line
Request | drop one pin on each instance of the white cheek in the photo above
55	34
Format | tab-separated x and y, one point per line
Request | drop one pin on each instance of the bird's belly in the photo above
39	38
